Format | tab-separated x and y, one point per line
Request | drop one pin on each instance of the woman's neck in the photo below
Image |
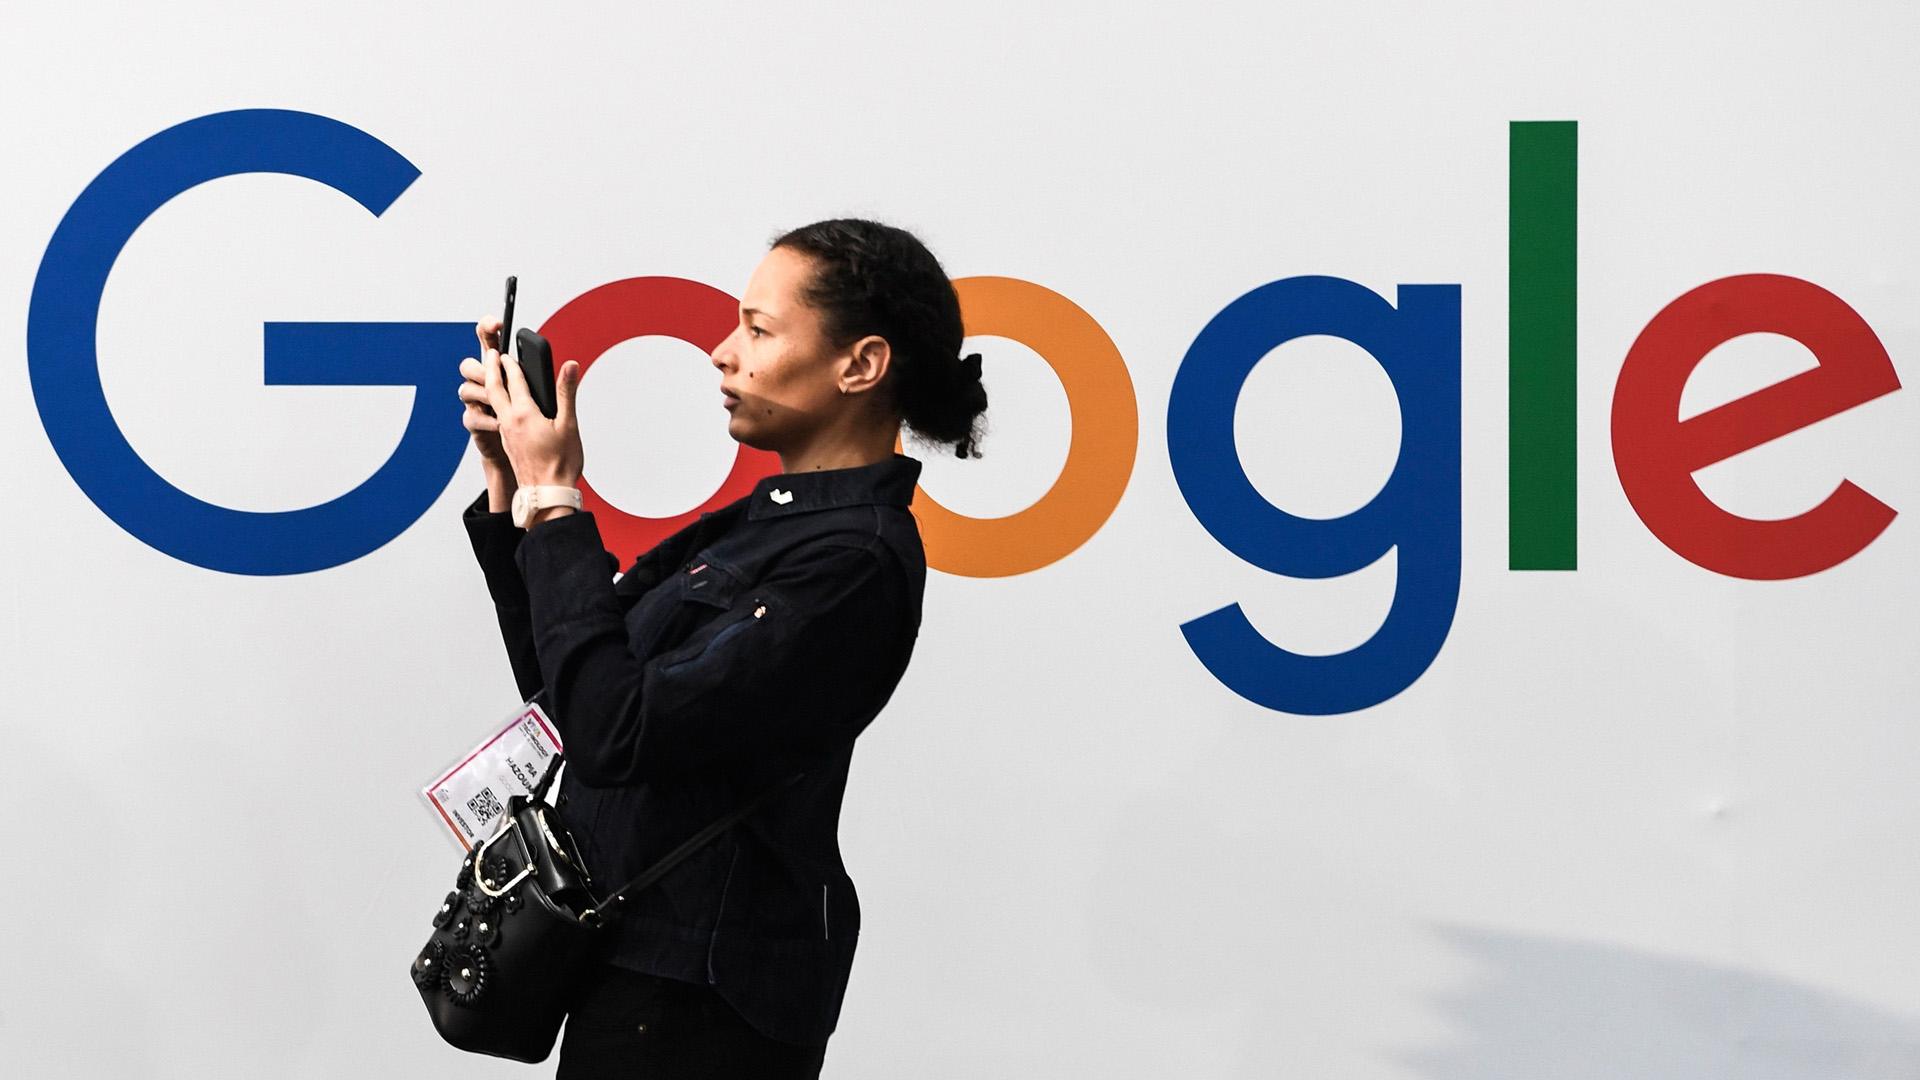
844	453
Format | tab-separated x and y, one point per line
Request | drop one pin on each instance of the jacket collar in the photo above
885	483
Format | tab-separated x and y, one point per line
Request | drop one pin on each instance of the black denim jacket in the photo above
754	643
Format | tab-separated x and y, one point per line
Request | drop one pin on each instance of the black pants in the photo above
631	1025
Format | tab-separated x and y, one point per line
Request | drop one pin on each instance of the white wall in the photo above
1639	819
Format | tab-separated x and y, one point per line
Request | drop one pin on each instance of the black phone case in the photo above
506	315
536	362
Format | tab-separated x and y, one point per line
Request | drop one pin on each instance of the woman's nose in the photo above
722	354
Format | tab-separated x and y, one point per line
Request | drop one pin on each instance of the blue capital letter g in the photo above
65	373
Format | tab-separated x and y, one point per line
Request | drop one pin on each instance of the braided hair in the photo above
870	278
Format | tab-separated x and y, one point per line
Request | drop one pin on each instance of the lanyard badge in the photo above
470	798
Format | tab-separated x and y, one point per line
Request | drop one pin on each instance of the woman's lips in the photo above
728	400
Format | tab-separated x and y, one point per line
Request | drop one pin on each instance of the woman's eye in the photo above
755	331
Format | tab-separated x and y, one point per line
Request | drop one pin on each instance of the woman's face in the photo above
782	377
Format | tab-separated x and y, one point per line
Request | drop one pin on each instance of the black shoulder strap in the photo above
673	858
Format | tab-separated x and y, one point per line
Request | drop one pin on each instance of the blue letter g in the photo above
65	372
1418	512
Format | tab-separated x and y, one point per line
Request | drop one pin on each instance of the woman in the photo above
751	645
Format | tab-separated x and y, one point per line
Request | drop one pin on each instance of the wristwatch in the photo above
540	496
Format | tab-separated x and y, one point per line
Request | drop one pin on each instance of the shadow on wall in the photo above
1541	1007
1329	901
1273	949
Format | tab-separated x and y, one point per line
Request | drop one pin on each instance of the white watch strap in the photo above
540	496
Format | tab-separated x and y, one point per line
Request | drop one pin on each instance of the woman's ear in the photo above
866	365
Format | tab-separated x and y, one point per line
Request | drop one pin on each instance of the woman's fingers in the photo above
473	391
497	396
487	330
476	418
564	391
516	379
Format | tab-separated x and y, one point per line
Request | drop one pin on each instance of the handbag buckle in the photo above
547	831
480	854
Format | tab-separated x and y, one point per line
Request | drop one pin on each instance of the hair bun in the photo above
971	364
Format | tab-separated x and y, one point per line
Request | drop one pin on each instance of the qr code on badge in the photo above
485	806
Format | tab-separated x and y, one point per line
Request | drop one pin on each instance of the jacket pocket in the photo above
720	911
708	583
753	611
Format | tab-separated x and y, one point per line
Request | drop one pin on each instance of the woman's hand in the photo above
479	418
539	450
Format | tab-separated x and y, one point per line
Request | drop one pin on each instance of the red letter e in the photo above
1656	453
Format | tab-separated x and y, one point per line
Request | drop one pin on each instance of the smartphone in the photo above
505	341
536	363
536	356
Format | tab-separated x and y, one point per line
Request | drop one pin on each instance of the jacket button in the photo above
640	1029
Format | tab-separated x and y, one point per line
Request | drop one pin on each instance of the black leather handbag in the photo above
519	926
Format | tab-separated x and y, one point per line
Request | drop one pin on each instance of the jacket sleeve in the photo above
495	538
798	663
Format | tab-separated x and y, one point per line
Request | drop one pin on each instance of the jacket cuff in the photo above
566	570
495	538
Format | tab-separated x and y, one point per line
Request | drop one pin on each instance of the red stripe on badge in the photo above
696	569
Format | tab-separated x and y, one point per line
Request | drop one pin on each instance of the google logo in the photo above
1415	337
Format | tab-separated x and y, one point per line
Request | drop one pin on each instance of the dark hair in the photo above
871	278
